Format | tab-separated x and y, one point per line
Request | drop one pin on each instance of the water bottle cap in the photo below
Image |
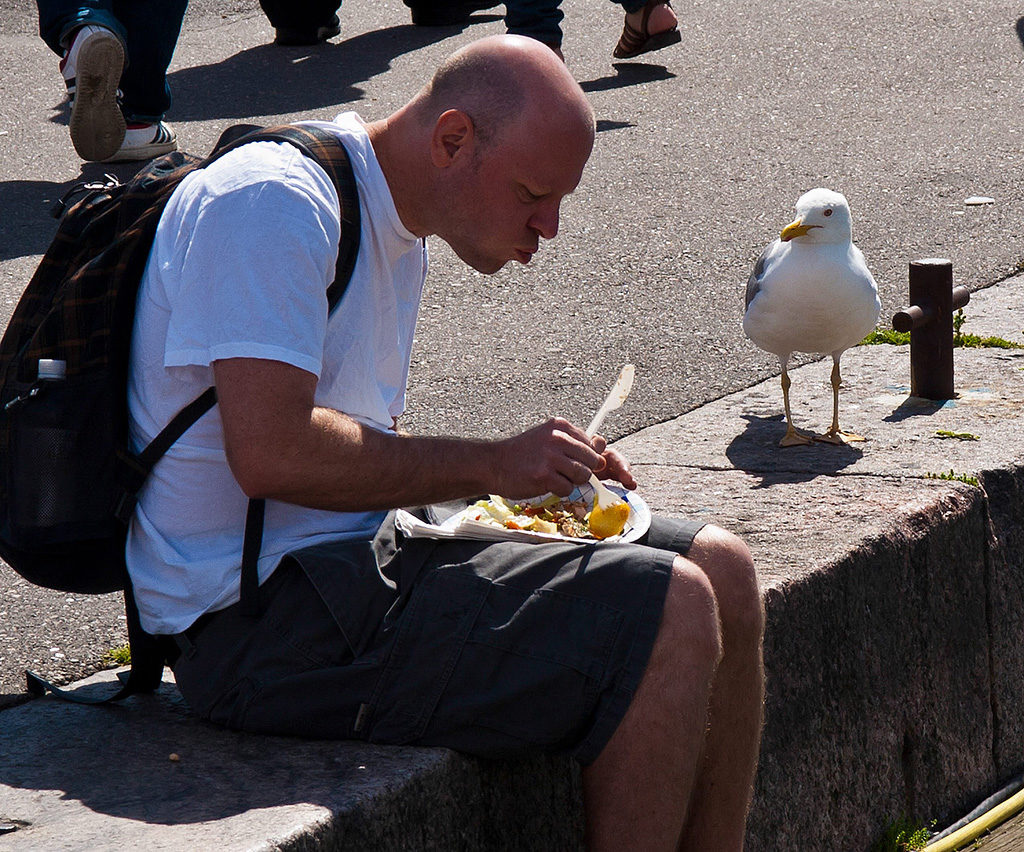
51	368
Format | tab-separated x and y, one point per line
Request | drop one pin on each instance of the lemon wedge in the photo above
606	521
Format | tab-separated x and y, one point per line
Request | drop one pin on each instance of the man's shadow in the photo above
271	80
150	761
262	80
130	773
756	451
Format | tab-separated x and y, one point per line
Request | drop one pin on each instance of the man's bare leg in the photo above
686	750
635	793
721	797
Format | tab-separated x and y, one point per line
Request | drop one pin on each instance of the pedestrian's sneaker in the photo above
145	141
92	68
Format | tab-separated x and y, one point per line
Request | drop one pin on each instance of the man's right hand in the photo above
555	457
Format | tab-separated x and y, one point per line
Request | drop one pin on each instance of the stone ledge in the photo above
76	777
895	604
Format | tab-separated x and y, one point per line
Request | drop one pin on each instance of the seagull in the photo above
811	291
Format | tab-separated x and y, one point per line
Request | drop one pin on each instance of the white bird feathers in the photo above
812	292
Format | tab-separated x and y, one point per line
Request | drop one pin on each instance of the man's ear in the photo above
454	137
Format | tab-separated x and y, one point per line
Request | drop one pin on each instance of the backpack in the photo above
68	476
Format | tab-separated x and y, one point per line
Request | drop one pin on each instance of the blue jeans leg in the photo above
153	27
59	18
540	19
537	19
149	30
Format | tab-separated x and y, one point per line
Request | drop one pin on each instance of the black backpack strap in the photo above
138	467
233	133
147	664
326	149
249	590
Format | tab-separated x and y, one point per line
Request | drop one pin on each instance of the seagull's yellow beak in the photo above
795	229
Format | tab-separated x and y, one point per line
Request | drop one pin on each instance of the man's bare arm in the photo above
281	446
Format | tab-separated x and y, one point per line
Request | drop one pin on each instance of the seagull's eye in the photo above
827	212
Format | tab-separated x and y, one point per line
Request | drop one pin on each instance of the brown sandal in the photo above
633	42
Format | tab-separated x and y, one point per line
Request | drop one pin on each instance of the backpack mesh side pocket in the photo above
61	475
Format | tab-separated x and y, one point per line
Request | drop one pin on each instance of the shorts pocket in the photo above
535	665
357	595
492	669
229	708
437	620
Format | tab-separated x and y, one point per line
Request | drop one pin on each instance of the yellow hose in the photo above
986	822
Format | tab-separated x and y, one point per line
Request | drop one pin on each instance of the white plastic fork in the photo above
604	496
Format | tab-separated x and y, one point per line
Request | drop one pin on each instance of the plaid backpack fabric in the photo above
69	477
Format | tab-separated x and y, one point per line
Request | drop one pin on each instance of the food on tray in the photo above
554	515
606	521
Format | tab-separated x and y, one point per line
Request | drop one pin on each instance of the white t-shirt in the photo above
240	266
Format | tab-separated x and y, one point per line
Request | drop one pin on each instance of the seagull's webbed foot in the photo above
838	436
795	438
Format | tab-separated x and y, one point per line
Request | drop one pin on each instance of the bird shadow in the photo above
1020	30
756	451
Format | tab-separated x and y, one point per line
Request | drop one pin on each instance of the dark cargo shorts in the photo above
494	649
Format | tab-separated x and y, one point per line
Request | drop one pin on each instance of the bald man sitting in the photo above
642	660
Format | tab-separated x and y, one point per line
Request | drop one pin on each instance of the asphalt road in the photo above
907	108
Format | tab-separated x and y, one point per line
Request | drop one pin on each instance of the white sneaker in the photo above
145	141
92	70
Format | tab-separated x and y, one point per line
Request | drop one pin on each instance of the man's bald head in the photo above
484	154
506	81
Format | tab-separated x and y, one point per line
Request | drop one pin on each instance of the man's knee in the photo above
690	623
726	560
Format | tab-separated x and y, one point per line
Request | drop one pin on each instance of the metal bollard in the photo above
929	319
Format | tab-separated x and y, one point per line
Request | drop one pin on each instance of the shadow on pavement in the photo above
27	226
1020	30
26	223
756	451
271	80
915	406
117	760
603	125
627	74
264	80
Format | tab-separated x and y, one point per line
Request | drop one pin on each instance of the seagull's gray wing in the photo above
754	281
